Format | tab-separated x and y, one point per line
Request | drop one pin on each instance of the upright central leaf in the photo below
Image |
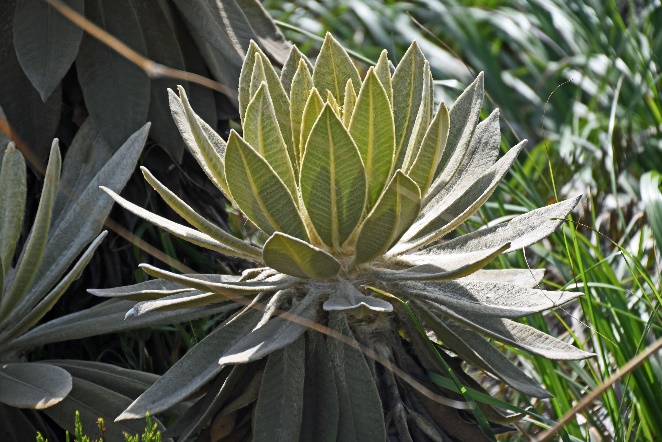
333	181
259	192
373	131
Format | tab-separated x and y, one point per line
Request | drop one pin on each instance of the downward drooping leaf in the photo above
478	351
275	334
333	182
262	132
163	48
295	257
333	68
513	333
393	214
361	417
33	385
30	119
463	116
259	192
46	42
346	298
12	205
278	412
320	397
194	369
116	91
372	129
407	93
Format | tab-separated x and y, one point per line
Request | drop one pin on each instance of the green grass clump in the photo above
151	433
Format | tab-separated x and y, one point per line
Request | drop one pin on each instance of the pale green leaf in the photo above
263	71
275	334
290	68
192	130
13	192
361	417
279	408
408	81
383	71
320	398
476	350
186	233
441	216
311	112
348	104
333	182
502	300
46	42
334	104
347	298
185	211
33	251
333	68
513	333
33	385
246	78
259	192
521	231
116	91
422	121
463	116
373	131
194	369
302	84
393	214
450	260
295	257
261	131
432	148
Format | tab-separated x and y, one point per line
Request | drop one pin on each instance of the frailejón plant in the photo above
354	181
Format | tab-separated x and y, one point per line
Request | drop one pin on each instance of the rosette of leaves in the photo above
354	181
60	243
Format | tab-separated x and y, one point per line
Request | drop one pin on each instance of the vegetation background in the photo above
581	80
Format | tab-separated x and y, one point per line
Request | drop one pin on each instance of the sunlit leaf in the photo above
295	257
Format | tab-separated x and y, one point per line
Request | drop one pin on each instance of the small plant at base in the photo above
151	434
353	182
